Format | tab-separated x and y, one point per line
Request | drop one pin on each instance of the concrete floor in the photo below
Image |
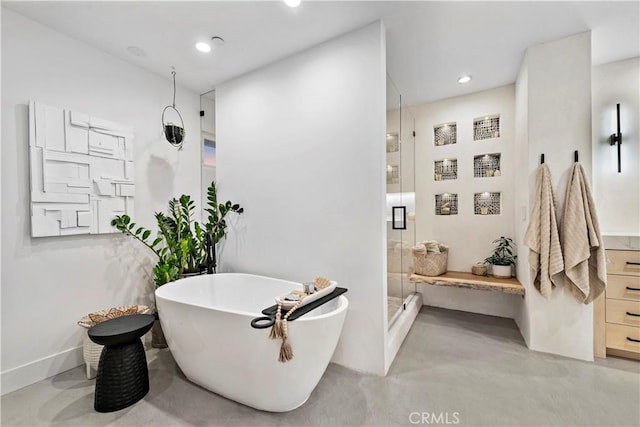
453	366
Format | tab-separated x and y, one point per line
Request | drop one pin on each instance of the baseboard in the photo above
400	328
525	337
22	376
622	353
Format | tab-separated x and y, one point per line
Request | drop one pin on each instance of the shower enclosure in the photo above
400	149
208	142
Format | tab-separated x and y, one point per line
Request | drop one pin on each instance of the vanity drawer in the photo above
623	312
622	337
623	262
623	287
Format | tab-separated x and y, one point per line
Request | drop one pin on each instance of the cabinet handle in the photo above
633	263
632	314
629	288
632	340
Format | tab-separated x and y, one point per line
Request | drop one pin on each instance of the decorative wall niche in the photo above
445	169
82	172
445	134
393	143
486	165
446	204
486	127
393	174
487	203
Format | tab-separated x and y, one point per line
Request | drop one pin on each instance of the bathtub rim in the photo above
343	302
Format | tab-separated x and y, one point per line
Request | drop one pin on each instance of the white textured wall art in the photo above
82	172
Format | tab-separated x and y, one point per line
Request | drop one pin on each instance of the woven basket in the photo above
92	351
479	269
429	263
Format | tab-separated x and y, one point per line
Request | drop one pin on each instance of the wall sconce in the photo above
616	138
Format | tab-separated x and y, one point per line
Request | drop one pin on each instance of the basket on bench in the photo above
430	258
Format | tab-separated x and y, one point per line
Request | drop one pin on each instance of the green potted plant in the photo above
502	258
181	244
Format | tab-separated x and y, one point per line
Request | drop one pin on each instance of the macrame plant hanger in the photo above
172	132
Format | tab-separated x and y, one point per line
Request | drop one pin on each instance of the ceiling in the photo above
429	44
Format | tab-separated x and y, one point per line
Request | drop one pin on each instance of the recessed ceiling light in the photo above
203	47
464	79
292	3
136	51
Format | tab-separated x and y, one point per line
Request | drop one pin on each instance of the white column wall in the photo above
522	196
1	244
301	145
48	284
554	110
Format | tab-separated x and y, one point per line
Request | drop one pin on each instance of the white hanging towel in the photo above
583	249
545	253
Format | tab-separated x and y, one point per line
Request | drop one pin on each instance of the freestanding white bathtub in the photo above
207	323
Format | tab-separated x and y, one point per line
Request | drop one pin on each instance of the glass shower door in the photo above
400	201
408	199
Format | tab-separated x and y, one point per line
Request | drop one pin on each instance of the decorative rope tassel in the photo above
286	352
276	329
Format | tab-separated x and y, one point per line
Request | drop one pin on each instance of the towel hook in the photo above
542	158
575	156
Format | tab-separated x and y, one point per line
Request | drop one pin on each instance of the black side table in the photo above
123	377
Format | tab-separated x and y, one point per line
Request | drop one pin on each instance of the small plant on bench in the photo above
502	258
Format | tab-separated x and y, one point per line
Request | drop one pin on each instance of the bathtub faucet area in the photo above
211	254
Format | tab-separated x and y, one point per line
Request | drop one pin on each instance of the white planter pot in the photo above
501	270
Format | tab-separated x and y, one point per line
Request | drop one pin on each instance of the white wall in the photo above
1	243
49	283
617	195
554	117
522	196
454	230
301	145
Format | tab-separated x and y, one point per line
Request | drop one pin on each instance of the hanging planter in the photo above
173	133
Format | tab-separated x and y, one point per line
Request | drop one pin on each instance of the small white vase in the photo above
503	271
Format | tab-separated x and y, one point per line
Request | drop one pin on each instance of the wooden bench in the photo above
459	279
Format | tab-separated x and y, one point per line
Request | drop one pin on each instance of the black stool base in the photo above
123	378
